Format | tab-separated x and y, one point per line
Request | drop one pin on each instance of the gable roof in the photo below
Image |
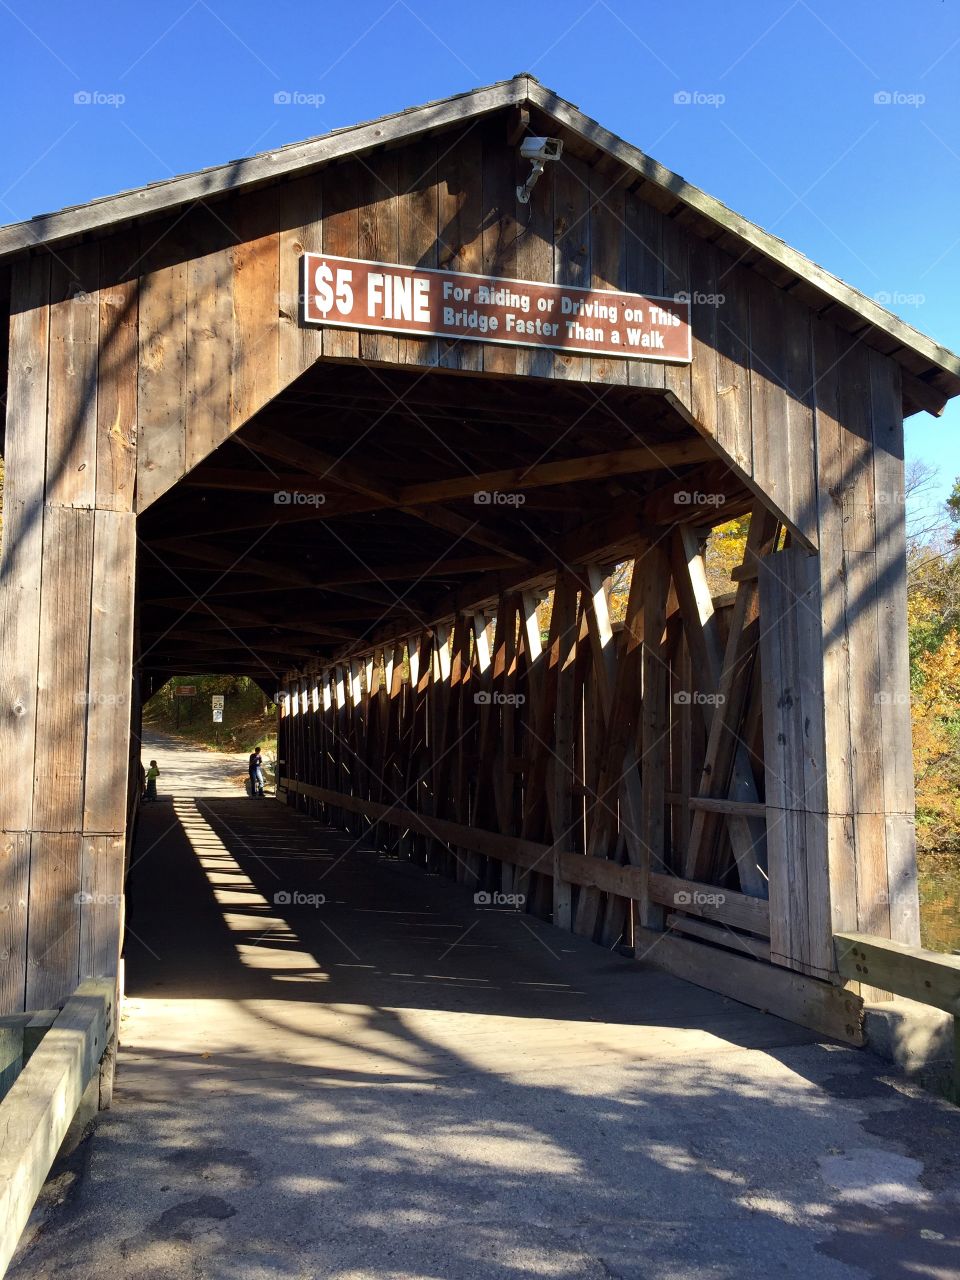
931	371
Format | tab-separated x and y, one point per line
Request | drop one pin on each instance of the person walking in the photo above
153	773
255	765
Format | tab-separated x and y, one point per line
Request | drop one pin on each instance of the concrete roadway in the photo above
395	1083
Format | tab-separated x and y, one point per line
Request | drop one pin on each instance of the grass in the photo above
246	722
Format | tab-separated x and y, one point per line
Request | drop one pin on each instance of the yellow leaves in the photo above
921	607
937	691
935	712
725	550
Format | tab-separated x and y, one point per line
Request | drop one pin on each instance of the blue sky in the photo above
788	130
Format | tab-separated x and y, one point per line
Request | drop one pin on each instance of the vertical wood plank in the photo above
705	322
341	236
14	882
500	227
801	928
117	372
571	240
72	394
862	636
894	676
161	390
21	555
460	231
841	845
733	416
379	236
608	259
655	722
108	691
209	339
418	244
53	926
101	905
301	231
675	248
254	365
534	260
62	695
644	274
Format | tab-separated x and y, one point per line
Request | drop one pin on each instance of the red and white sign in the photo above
352	293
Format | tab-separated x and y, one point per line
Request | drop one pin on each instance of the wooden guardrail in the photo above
823	1006
42	1101
930	977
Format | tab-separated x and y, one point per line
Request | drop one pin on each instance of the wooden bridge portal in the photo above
259	419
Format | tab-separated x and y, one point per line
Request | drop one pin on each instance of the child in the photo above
153	773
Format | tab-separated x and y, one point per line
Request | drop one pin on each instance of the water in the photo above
940	901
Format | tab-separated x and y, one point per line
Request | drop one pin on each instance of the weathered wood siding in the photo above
219	332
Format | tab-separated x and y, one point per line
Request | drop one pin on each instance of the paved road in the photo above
187	771
369	1076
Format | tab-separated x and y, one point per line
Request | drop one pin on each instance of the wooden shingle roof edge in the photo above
932	371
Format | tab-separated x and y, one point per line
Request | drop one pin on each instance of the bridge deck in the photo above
397	1083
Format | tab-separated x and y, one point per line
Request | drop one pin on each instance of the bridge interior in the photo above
361	497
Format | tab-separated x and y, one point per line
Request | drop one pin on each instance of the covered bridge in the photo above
372	418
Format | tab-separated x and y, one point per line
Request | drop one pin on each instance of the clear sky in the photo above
785	125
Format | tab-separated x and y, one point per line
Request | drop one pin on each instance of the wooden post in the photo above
67	637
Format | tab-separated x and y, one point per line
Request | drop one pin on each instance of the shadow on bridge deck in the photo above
395	1082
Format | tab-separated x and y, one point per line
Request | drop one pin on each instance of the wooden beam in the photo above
231	561
719	935
697	609
597	466
597	873
807	1001
320	465
919	395
243	480
214	616
723	740
325	466
38	1110
455	567
724	905
931	977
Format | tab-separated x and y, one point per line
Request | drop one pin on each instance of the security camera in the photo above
538	151
541	149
